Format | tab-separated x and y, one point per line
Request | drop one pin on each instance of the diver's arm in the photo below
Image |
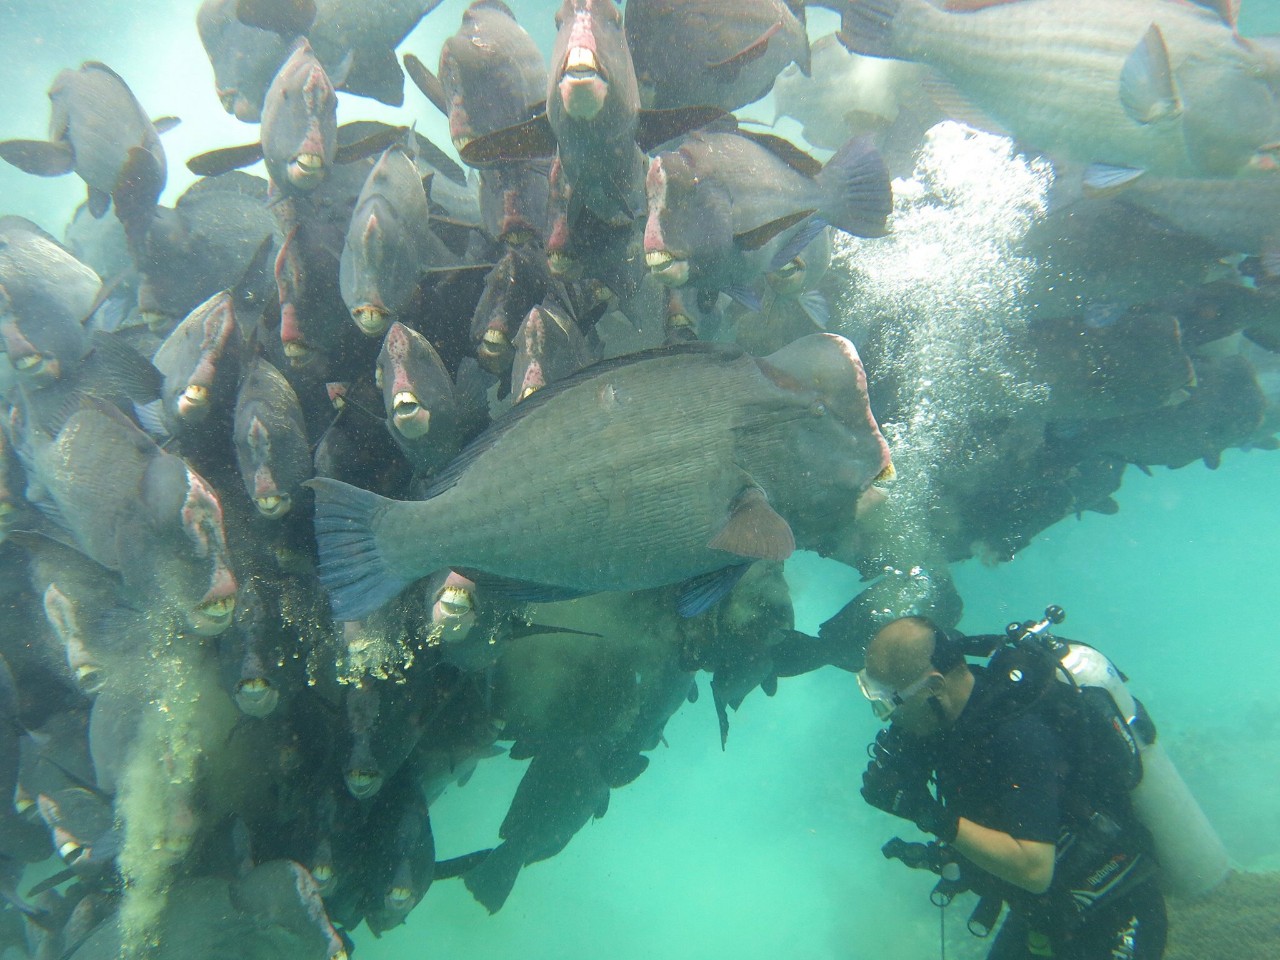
1024	863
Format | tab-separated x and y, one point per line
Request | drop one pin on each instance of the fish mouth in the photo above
363	783
669	269
90	678
275	506
372	321
35	366
256	697
788	278
306	170
213	616
298	353
399	899
194	401
7	511
411	420
70	850
495	351
583	90
563	266
157	323
455	602
322	874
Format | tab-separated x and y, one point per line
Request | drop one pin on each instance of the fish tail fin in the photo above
355	567
859	197
491	882
866	27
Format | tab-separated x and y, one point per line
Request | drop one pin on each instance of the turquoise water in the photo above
765	850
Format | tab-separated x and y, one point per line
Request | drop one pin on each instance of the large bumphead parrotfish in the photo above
99	131
1169	88
614	481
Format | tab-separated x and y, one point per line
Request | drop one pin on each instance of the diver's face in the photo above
916	715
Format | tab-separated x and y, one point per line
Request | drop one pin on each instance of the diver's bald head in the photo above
902	651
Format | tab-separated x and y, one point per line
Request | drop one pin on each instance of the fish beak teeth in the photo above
581	62
363	783
306	170
563	266
28	363
322	874
89	678
70	851
495	350
256	697
7	510
411	420
582	89
372	321
194	401
298	354
275	506
455	602
399	898
213	616
667	269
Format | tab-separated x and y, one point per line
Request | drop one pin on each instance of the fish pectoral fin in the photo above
165	124
656	127
440	161
754	529
1104	179
706	590
376	142
374	72
44	158
531	140
225	159
757	237
1146	81
427	82
727	70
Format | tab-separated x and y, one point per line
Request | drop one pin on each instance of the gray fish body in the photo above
418	396
1238	214
191	359
1050	70
97	114
244	58
616	480
271	440
141	512
368	34
492	73
549	347
677	43
46	295
594	111
300	123
389	244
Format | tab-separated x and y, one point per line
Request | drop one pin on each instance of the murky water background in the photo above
766	850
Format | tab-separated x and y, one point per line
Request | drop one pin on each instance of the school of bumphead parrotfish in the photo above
315	491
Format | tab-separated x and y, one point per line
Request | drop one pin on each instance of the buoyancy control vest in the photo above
1122	798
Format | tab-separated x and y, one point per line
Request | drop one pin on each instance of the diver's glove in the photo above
899	785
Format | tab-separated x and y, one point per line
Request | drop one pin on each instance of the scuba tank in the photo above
1192	858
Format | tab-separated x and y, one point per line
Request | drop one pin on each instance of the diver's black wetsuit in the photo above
1025	775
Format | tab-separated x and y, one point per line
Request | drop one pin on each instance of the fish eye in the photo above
818	408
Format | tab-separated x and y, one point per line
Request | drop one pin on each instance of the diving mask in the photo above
884	700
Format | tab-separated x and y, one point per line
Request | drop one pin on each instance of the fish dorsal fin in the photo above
1228	11
754	529
656	127
757	237
225	159
531	140
727	70
1146	81
447	478
786	151
427	82
285	17
165	124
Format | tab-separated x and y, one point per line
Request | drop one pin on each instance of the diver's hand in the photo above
902	789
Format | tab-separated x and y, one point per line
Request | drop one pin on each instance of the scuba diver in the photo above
1034	758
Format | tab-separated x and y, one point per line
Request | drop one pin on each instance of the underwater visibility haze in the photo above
455	454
